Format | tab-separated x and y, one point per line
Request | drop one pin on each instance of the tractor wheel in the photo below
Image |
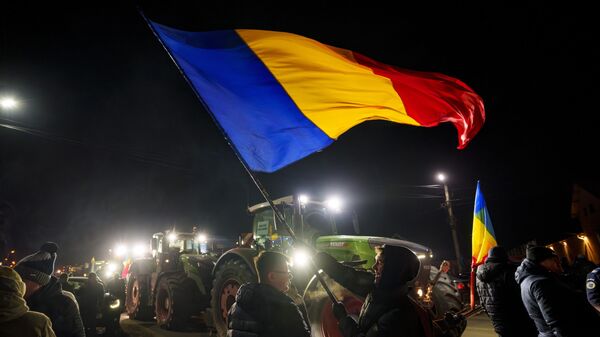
137	297
174	302
318	306
445	296
228	280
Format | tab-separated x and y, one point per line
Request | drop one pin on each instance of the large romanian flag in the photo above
280	97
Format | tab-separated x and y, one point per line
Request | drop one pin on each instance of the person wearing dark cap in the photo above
388	310
15	317
500	296
556	309
44	292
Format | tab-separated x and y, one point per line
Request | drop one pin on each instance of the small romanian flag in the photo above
483	237
280	97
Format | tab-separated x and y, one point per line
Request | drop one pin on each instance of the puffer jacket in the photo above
500	296
60	308
263	311
556	309
15	317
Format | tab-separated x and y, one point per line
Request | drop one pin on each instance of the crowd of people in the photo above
263	309
543	296
35	303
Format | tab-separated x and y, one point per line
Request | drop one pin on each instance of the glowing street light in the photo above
8	103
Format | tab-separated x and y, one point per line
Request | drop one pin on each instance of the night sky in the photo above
112	143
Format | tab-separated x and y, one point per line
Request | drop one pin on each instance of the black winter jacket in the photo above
60	308
261	310
556	309
385	312
500	296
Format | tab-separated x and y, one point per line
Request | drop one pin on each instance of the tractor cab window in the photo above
322	222
268	231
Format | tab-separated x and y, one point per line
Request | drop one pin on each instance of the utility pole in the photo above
452	221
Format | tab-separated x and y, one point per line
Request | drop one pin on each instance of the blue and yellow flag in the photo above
483	237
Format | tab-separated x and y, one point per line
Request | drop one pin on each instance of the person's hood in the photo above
400	267
12	288
529	268
490	270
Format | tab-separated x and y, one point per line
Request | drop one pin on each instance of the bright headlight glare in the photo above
303	199
301	258
115	304
201	238
139	250
108	273
172	237
120	250
334	204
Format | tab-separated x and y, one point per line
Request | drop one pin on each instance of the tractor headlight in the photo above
301	258
115	304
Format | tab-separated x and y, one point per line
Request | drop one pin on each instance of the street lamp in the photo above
442	178
8	103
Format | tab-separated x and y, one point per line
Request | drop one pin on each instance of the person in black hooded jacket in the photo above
500	296
556	309
387	310
44	292
263	309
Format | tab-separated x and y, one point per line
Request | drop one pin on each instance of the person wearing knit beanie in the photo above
44	292
39	266
15	317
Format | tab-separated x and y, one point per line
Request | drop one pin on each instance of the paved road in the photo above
477	326
134	328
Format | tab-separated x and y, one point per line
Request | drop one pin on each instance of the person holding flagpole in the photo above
483	238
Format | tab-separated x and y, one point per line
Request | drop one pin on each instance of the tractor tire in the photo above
228	279
445	296
137	296
319	306
174	302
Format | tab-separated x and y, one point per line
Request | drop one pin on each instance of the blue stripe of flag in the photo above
258	116
481	211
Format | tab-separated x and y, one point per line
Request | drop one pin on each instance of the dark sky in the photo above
114	145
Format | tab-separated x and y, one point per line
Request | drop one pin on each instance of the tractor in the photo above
325	226
173	284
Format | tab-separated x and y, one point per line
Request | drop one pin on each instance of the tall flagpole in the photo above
253	176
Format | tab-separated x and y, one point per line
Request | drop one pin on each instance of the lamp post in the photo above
442	178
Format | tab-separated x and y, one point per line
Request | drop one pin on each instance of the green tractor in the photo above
324	226
174	284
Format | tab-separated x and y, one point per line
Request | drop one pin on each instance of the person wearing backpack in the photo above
388	309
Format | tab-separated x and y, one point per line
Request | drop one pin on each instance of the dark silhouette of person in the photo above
500	296
263	309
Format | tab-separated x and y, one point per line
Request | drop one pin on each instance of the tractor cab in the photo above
184	243
309	219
